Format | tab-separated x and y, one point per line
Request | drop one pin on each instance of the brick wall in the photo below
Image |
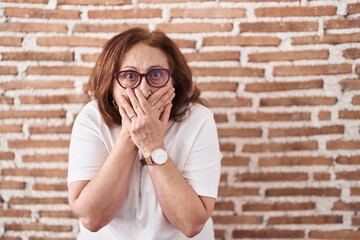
281	76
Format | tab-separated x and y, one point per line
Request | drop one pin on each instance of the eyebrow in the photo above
148	69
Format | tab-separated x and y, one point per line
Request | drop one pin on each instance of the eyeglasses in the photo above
131	79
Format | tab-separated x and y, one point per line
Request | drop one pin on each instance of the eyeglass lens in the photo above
156	78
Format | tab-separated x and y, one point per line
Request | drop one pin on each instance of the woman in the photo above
144	158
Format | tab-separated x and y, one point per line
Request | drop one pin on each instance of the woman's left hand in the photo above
146	129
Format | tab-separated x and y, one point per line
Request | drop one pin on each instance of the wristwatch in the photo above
158	157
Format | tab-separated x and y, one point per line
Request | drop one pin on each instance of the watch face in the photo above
159	156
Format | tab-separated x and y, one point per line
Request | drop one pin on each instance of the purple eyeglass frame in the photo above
168	71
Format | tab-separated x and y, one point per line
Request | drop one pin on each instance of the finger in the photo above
143	102
126	106
156	96
134	102
164	100
166	114
124	116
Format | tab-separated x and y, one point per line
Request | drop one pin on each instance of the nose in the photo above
144	87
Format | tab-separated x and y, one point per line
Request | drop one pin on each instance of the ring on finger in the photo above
130	117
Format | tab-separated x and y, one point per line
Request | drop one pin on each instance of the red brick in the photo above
349	114
194	27
312	70
342	23
93	2
322	192
25	172
349	160
8	70
255	1
322	176
324	115
184	43
57	214
12	185
47	129
356	100
38	143
32	27
240	132
213	56
295	11
241	41
352	53
229	102
288	55
207	13
297	101
116	28
337	234
269	233
125	13
279	27
38	200
349	175
354	191
227	147
278	206
15	213
322	219
228	71
218	86
37	227
28	1
327	39
33	114
71	41
50	187
237	219
59	70
229	191
89	57
346	206
41	13
355	221
270	177
283	86
60	99
280	147
224	206
219	118
38	158
235	161
306	131
343	144
272	116
38	56
37	84
353	8
7	100
294	161
11	129
7	155
11	41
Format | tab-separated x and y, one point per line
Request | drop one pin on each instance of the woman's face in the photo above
141	58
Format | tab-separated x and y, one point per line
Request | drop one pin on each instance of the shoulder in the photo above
89	114
198	111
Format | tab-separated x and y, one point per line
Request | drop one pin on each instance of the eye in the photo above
156	74
130	76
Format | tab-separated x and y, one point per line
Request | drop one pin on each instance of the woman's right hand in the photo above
162	97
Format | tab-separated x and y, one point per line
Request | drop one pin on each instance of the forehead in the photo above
141	56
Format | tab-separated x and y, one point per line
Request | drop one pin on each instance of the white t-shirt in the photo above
193	146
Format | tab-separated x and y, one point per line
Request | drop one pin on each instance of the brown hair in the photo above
101	80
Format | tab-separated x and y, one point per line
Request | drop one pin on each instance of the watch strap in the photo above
147	161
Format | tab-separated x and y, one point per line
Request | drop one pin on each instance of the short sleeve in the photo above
202	168
87	150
